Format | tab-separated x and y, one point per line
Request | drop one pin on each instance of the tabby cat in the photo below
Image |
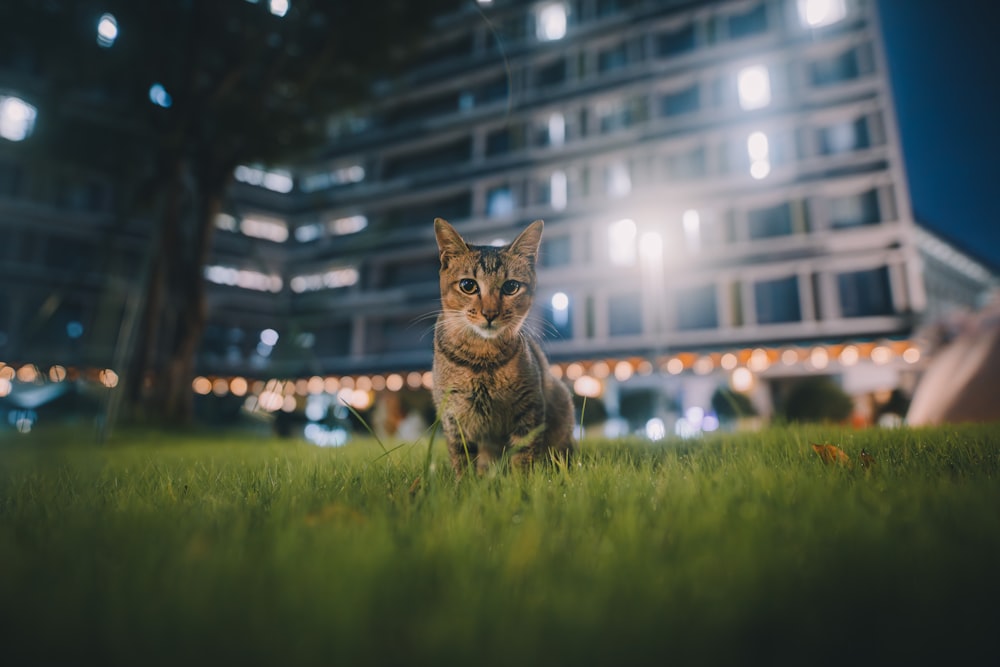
494	393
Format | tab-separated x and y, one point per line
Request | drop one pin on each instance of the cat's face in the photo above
485	290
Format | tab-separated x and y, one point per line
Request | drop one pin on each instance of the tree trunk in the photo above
175	310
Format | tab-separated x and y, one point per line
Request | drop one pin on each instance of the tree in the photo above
817	399
169	98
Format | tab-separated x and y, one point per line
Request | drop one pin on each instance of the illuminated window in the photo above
307	233
557	315
691	221
278	7
617	180
246	279
226	222
334	278
551	22
322	180
621	242
557	129
500	201
276	180
758	149
558	190
819	13
17	118
350	225
844	137
269	229
754	86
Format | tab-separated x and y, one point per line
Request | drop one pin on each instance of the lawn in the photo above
734	549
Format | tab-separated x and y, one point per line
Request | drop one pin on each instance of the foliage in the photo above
731	405
237	84
817	399
743	549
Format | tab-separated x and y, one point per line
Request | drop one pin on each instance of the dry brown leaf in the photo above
832	454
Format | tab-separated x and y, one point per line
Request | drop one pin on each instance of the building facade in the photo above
722	185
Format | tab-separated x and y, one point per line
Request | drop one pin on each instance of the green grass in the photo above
736	549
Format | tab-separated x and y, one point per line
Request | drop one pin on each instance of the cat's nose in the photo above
490	315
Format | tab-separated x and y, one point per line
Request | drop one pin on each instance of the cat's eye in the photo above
468	285
510	287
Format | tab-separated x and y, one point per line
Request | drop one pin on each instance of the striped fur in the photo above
495	396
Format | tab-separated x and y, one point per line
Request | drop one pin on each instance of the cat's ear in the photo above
450	244
527	242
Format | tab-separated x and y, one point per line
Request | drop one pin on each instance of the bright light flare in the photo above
621	242
754	87
279	7
17	118
107	30
819	13
551	22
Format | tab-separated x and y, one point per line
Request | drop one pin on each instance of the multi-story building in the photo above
722	185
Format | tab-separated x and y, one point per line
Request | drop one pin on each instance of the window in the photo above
558	190
676	103
550	22
676	42
397	335
557	316
552	73
819	13
489	91
621	114
838	69
617	180
553	132
752	22
687	165
844	137
855	210
754	87
696	308
505	140
556	251
625	314
500	201
865	293
448	155
614	58
759	152
769	222
777	301
621	242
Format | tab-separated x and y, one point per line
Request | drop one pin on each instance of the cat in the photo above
495	396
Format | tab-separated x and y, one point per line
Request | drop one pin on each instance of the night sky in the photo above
944	64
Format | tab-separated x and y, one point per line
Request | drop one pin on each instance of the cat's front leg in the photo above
524	448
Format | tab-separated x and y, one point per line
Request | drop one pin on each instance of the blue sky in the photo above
944	63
